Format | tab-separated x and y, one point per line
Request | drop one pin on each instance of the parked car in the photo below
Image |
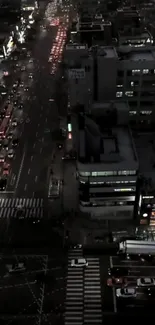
126	293
79	262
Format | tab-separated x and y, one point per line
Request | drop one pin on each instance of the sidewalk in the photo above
70	190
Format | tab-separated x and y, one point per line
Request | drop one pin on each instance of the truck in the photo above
137	247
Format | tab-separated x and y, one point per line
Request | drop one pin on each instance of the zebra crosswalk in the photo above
83	292
30	208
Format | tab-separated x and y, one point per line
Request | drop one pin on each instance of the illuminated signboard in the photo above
75	47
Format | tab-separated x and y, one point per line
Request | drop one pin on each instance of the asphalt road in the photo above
33	155
34	295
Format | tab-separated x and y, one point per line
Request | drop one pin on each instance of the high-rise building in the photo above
107	162
107	73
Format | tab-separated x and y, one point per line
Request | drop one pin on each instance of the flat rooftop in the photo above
134	34
145	147
143	54
108	51
111	147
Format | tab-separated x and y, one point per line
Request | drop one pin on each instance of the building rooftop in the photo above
143	54
147	53
145	147
136	32
107	51
105	148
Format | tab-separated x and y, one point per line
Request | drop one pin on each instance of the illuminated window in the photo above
84	174
129	93
145	71
132	113
134	72
145	112
119	86
119	94
124	189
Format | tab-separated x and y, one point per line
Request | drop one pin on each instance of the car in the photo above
79	262
2	114
20	106
126	293
112	282
145	282
14	122
10	135
6	144
3	184
19	207
54	188
10	153
21	84
6	169
118	271
15	142
2	155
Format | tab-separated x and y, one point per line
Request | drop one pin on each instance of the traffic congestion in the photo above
13	114
11	118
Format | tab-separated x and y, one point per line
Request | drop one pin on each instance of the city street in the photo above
35	295
33	155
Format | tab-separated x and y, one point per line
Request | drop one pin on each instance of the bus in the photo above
9	111
4	127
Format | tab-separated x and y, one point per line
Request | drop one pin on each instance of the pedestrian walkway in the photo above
83	292
21	207
74	291
92	293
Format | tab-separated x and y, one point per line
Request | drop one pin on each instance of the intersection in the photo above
83	291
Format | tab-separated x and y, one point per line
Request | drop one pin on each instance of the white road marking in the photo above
36	134
113	289
42	289
36	178
29	171
31	158
20	168
34	145
42	139
13	178
25	187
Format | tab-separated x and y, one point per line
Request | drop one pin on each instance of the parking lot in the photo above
137	269
90	293
35	292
